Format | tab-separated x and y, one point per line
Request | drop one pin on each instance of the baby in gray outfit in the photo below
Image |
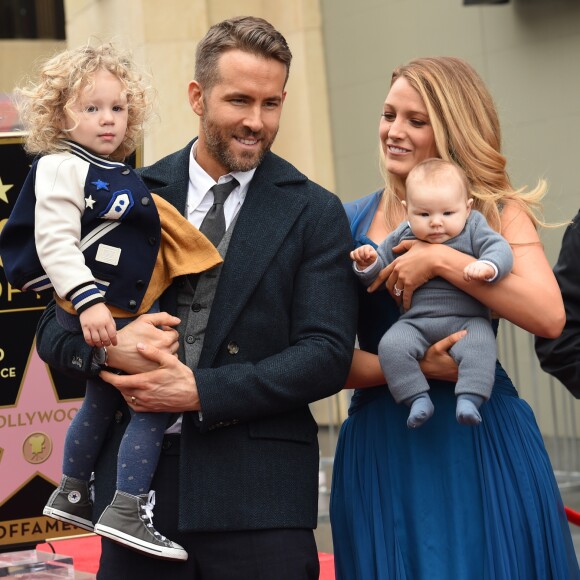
439	212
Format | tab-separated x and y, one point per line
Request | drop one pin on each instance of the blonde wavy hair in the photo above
44	102
467	132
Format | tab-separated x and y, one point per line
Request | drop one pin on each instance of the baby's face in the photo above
100	116
437	212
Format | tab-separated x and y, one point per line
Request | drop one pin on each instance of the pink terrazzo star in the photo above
32	431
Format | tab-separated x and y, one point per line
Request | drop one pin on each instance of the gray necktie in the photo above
214	223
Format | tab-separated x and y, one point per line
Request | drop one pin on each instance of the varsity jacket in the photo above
86	226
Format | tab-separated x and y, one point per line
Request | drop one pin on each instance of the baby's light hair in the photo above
434	170
44	102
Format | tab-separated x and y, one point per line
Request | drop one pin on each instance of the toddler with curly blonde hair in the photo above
86	225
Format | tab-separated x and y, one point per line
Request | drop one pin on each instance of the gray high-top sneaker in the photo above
128	520
70	502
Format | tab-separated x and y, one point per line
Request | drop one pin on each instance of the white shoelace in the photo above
148	515
92	487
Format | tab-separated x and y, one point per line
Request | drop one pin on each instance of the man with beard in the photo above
258	339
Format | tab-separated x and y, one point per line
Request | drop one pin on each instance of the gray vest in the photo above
194	306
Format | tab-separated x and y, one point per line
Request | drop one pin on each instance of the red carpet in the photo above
85	552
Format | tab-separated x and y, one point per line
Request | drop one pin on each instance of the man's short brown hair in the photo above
248	33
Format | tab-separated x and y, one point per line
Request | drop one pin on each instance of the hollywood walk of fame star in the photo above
27	429
100	184
3	190
90	202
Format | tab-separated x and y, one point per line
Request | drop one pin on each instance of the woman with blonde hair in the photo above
447	500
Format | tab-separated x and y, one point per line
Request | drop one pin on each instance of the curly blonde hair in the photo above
44	103
467	132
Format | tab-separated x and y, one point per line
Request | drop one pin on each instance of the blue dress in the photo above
445	501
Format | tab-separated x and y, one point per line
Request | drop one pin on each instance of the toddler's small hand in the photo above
98	326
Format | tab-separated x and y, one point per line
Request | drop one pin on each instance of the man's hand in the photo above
170	388
153	329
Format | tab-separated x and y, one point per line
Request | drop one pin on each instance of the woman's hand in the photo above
153	329
438	363
415	266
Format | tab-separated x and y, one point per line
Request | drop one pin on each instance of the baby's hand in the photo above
99	328
364	256
478	271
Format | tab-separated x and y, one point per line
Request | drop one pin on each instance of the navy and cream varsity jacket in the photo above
87	227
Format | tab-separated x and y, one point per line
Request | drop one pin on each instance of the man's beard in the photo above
218	146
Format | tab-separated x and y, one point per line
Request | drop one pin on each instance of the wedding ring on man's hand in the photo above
133	401
398	291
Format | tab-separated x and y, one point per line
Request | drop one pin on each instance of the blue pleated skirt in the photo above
447	501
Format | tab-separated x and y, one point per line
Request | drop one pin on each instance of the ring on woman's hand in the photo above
398	291
133	401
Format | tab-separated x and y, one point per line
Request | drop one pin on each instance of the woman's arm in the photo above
365	371
528	297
